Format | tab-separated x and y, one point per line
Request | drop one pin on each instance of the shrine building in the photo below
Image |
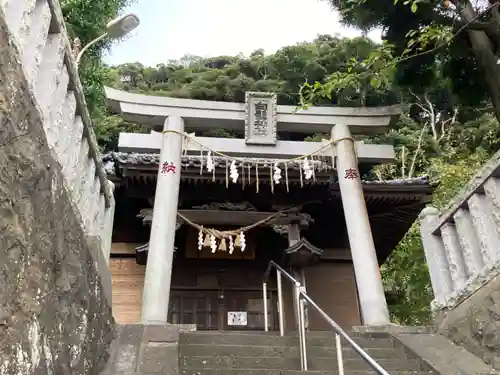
198	218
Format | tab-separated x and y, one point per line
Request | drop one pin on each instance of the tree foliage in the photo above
227	78
456	41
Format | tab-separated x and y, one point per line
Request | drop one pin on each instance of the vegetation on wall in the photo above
447	130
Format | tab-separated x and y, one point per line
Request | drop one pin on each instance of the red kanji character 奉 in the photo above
168	167
351	174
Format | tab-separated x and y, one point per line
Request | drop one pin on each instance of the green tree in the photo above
462	36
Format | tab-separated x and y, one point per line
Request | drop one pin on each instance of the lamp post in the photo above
115	29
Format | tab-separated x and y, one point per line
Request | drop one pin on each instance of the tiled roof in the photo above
114	161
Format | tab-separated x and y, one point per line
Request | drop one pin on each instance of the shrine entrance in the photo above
284	187
222	290
222	310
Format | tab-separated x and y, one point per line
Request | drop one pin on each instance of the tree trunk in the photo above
483	50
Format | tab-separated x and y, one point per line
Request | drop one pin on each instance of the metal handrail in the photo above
302	296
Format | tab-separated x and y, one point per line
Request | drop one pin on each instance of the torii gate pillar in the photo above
156	292
370	289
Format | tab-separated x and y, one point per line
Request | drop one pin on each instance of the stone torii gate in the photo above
261	118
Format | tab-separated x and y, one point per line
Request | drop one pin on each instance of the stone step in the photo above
272	339
224	371
18	17
362	372
34	38
58	129
279	351
49	72
358	364
276	363
363	342
287	372
67	128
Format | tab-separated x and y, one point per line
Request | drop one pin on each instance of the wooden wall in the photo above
332	285
127	283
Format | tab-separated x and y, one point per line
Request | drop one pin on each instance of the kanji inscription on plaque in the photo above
260	120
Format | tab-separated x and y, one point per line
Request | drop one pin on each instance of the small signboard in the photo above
237	318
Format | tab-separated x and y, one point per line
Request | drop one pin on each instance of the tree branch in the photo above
458	24
417	151
449	121
433	116
403	162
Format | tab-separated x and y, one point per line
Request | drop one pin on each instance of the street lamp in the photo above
115	29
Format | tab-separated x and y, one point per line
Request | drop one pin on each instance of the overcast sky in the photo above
170	29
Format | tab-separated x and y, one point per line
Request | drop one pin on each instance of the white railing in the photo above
300	300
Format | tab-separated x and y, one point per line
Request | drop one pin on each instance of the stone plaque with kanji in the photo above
260	118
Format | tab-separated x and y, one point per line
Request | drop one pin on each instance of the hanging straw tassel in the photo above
286	178
242	175
257	178
201	162
271	178
222	245
237	242
313	172
206	243
200	239
213	243
301	177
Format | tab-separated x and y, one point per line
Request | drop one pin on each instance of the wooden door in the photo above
252	303
195	307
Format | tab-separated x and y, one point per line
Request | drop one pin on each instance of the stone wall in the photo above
474	324
55	297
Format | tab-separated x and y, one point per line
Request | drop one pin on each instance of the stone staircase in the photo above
237	353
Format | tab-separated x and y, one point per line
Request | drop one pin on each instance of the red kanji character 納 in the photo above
168	167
